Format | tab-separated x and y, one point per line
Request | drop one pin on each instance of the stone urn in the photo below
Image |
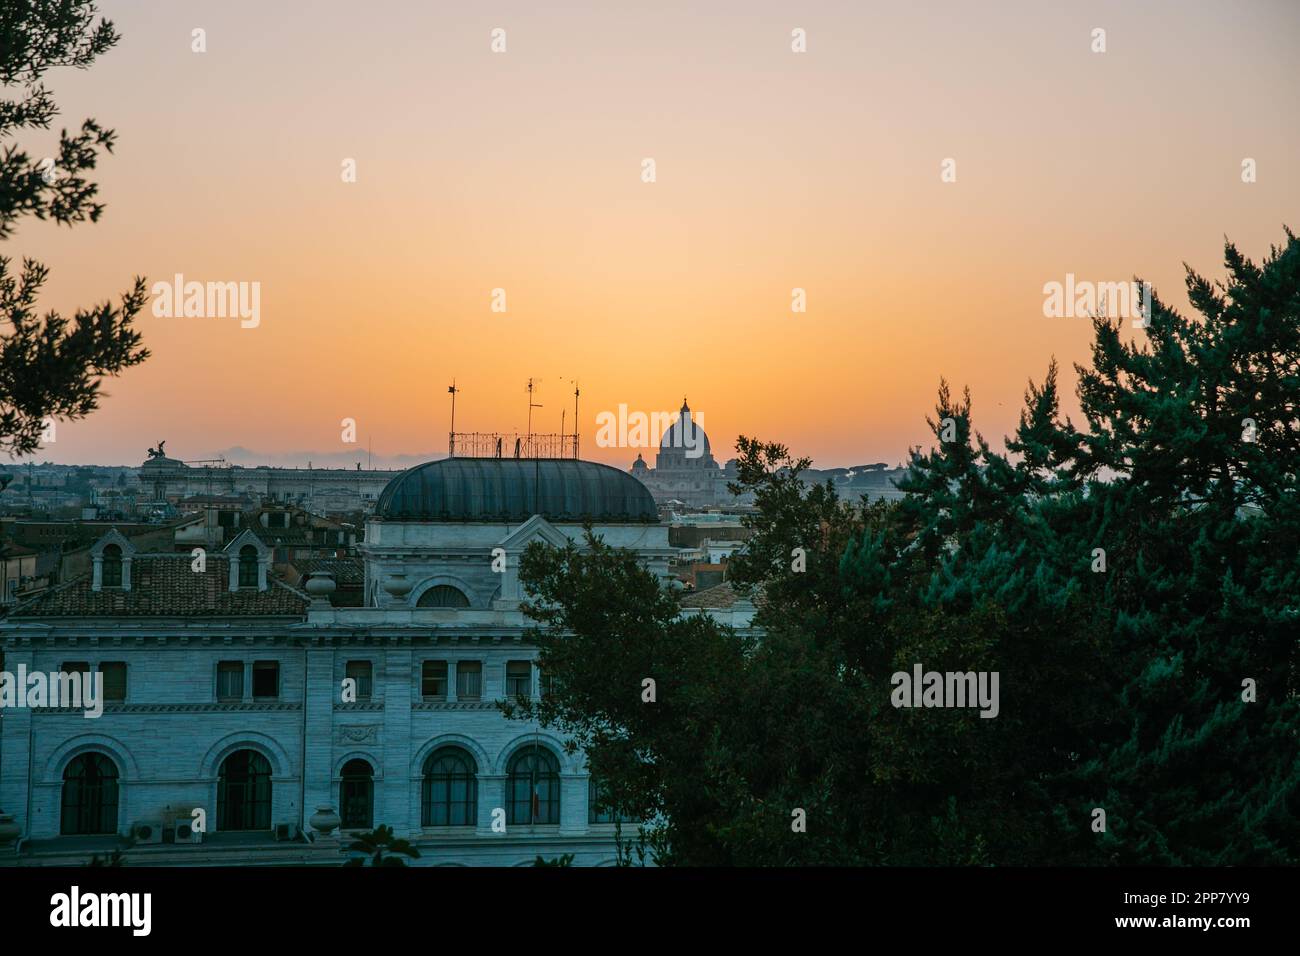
325	821
397	585
320	584
9	829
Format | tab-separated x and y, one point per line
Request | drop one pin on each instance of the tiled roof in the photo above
281	537
163	585
723	595
345	570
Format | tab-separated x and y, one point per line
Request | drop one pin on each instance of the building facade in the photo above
325	490
229	691
685	472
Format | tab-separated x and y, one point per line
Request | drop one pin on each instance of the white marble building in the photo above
225	687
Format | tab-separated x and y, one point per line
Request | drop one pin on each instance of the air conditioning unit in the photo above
286	831
185	833
147	831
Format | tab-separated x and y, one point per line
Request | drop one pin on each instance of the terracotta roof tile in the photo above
720	596
344	570
163	585
723	595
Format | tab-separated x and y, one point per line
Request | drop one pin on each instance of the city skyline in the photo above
358	453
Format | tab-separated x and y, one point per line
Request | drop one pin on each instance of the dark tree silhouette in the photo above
1132	580
382	849
52	366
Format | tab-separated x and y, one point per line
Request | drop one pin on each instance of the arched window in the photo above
248	566
443	595
112	577
533	787
244	792
357	795
89	796
450	795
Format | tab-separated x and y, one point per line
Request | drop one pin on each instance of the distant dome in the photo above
684	434
515	489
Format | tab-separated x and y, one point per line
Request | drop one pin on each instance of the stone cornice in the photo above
106	635
352	636
202	707
425	705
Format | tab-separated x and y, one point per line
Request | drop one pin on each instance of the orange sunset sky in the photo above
522	170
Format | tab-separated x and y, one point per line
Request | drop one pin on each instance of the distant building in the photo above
694	530
875	481
65	545
111	503
685	471
17	570
322	490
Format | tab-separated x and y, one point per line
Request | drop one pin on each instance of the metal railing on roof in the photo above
511	445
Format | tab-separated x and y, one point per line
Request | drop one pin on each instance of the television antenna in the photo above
451	451
500	444
531	405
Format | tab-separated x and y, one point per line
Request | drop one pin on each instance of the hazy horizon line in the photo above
247	457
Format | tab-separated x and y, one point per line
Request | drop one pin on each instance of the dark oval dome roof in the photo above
515	489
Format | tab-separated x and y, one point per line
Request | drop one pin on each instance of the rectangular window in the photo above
519	678
73	667
248	576
469	680
546	683
230	680
266	679
77	667
114	680
433	680
361	672
111	570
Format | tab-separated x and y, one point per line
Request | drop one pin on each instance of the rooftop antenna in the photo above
575	419
451	438
531	406
537	462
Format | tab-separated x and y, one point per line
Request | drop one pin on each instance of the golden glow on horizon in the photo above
775	170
